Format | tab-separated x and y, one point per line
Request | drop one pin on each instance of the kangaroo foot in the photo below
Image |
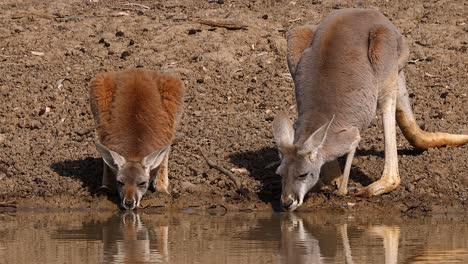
384	185
341	190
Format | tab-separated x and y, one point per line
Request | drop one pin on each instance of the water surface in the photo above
195	237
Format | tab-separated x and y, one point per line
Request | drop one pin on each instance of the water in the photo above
195	237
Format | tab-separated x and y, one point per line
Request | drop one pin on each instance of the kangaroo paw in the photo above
384	185
341	192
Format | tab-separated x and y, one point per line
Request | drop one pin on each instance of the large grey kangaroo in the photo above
343	69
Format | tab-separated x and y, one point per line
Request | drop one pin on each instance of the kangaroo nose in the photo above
286	203
129	203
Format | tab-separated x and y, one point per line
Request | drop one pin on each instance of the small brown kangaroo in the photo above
136	113
343	70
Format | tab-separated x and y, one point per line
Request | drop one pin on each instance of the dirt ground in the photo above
237	81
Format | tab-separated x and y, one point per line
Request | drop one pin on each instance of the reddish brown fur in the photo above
136	111
299	39
381	39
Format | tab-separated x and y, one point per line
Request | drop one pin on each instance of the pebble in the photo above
124	55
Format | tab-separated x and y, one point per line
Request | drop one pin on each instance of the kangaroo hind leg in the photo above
383	54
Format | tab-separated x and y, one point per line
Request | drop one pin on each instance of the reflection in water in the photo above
127	240
233	238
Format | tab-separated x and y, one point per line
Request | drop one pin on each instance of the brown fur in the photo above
136	111
298	40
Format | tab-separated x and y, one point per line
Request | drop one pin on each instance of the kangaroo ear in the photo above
316	140
154	159
283	131
111	158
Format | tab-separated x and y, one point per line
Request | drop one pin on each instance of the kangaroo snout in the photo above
289	202
129	203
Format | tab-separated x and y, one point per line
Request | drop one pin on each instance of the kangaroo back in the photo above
136	111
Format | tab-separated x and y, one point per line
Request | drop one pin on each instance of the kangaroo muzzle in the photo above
289	202
129	203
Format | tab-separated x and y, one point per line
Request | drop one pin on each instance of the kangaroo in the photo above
343	70
136	113
128	238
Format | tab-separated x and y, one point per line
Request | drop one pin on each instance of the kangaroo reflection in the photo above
128	240
309	240
304	242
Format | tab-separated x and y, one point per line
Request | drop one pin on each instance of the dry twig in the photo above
32	14
8	204
225	23
135	4
243	191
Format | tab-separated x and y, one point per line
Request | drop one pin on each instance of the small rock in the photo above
438	114
124	55
119	34
83	131
193	31
221	184
265	16
131	42
34	125
44	110
444	95
188	186
422	125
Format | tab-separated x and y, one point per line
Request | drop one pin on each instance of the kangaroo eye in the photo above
141	184
302	176
120	183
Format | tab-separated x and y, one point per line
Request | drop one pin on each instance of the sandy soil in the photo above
237	81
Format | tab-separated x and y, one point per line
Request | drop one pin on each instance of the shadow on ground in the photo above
88	171
256	162
381	153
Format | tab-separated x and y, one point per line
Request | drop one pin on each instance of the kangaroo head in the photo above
133	178
300	161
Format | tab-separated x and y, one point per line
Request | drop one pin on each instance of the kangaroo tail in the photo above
416	136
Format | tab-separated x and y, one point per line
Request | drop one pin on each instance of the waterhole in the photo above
197	237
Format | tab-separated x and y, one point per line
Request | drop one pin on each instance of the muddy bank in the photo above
237	81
